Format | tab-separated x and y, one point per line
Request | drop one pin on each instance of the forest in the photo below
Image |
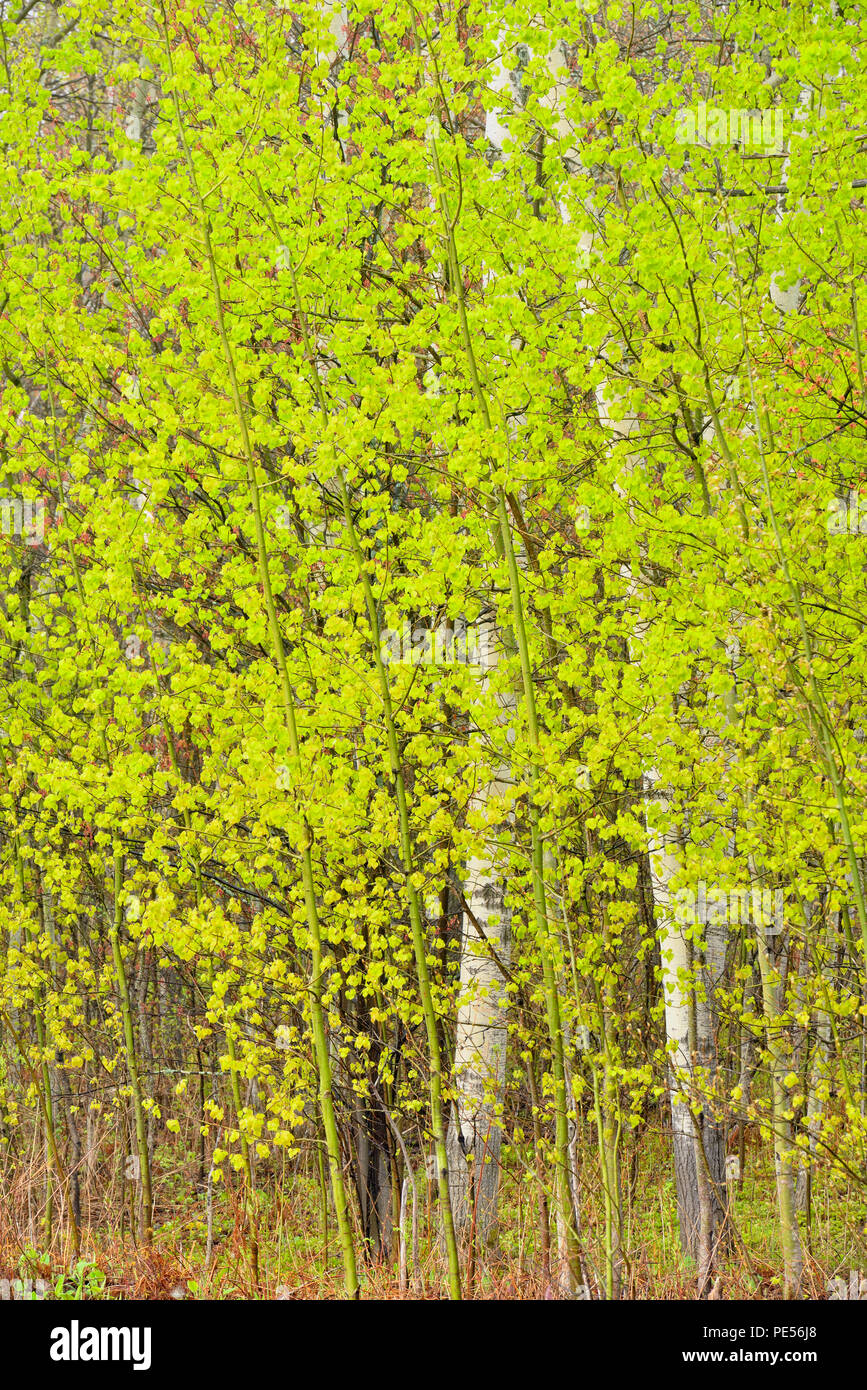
433	676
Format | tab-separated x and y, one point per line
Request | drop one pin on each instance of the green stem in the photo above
132	1063
317	1011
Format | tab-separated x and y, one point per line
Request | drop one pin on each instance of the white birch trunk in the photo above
475	1130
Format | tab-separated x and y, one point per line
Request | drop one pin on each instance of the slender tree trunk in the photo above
479	1071
142	1152
777	1050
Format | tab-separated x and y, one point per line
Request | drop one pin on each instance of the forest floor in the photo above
298	1258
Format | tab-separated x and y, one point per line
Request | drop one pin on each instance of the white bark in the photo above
475	1130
